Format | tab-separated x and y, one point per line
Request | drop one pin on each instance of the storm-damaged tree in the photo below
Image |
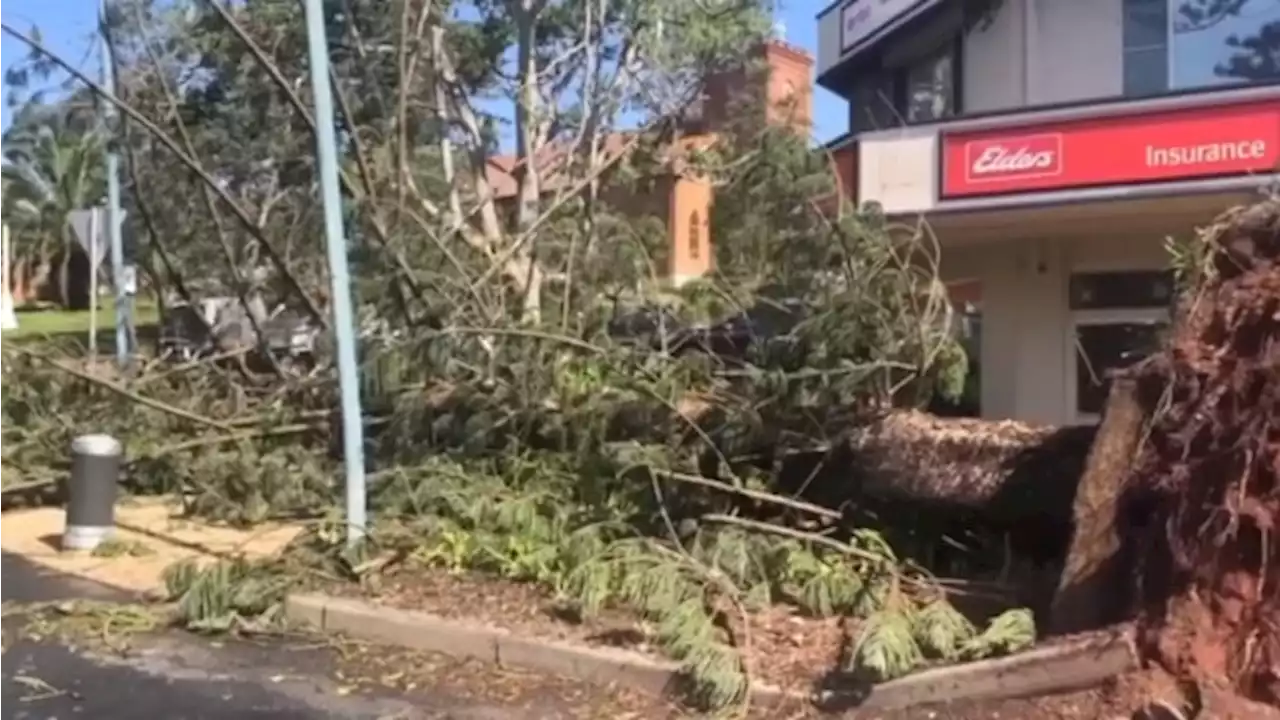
465	255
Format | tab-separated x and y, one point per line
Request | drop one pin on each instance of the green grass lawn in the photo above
39	323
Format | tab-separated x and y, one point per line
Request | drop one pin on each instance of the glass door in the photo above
1117	319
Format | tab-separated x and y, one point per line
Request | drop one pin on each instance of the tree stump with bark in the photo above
1088	594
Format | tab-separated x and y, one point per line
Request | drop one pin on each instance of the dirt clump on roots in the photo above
1208	473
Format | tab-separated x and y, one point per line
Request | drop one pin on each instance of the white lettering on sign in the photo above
1019	157
1206	154
861	19
998	159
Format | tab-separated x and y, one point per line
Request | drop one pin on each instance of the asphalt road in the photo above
176	676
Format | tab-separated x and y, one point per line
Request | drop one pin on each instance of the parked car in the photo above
647	326
751	335
221	324
760	331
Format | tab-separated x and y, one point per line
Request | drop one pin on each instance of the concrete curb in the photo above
422	631
1070	665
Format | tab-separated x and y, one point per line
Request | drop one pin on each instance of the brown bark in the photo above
1088	594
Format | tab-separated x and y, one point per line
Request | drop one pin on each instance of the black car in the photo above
752	335
765	327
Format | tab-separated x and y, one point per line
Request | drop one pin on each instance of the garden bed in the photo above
788	651
802	656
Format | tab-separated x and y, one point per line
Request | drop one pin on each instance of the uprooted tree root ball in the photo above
1210	468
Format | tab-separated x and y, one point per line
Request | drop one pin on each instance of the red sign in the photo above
1185	144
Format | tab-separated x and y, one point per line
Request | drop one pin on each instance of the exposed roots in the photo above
1210	470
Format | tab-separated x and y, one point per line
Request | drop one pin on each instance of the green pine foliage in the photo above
509	432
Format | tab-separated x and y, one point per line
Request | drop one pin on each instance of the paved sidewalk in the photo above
153	524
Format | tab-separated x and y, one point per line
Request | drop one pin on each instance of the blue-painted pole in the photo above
339	275
113	198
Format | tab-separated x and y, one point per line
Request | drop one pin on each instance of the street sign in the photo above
129	280
84	225
88	225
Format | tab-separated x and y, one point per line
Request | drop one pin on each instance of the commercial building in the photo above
1054	146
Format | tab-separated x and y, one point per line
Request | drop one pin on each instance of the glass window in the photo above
695	235
1224	42
1146	24
872	105
913	89
1105	347
1120	290
1146	72
1146	47
930	87
1193	44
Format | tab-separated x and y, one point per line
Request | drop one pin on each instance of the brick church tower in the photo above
779	79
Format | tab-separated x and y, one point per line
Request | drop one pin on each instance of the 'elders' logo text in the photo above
1027	156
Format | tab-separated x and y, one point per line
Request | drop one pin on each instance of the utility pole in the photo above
124	316
339	276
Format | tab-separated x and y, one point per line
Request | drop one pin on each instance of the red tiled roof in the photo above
501	169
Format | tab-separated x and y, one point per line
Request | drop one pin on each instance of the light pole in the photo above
339	275
118	280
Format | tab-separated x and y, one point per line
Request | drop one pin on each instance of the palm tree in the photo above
50	168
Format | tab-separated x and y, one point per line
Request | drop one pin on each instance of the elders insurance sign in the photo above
1223	141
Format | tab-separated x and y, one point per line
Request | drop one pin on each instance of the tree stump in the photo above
1087	596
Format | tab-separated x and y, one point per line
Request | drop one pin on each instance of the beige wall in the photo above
1026	364
1034	52
1044	52
994	62
1075	50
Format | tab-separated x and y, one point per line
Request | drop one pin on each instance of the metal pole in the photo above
113	197
339	277
8	317
9	321
94	233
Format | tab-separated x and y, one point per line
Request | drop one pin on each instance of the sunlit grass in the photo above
38	323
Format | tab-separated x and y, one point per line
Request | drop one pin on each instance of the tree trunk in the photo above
1090	592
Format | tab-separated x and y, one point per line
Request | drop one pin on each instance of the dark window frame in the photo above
953	50
897	75
1110	301
1159	293
1092	384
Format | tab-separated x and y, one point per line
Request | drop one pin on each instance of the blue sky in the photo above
67	26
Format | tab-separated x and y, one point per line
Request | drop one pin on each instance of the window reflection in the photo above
930	87
1103	348
1219	42
1190	44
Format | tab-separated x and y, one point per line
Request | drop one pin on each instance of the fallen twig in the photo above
760	495
193	364
126	392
